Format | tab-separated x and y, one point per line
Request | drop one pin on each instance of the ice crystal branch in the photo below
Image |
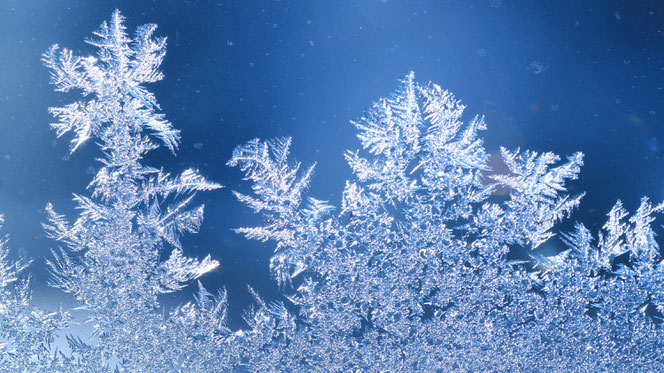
26	332
112	256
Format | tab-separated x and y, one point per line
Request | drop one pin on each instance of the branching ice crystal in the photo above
113	261
414	272
26	332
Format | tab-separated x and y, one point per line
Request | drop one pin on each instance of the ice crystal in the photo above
26	332
417	270
113	257
420	268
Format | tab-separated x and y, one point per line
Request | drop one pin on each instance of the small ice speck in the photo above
536	67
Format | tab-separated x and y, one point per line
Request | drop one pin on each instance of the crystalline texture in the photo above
113	261
417	270
26	332
413	272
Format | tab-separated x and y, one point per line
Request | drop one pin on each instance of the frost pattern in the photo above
415	272
115	260
26	332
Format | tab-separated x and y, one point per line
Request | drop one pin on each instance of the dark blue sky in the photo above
564	76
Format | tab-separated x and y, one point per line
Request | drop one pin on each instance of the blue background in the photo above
565	76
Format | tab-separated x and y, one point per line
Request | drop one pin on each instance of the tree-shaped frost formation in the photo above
417	272
113	257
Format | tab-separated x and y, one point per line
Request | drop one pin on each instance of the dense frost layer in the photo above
413	272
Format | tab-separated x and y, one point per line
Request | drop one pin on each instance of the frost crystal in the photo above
420	268
113	261
417	270
26	332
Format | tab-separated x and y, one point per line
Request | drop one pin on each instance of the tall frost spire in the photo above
123	249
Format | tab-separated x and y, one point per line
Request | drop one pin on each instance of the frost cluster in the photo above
417	269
